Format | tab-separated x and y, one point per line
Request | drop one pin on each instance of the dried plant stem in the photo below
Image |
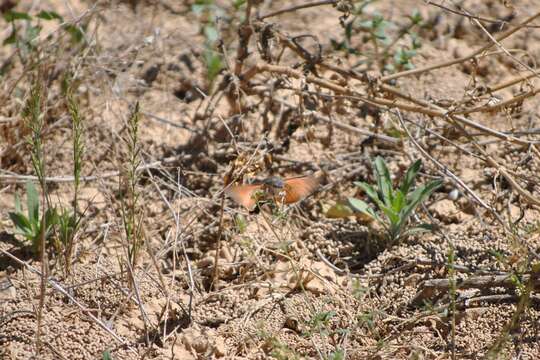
229	178
215	272
498	106
17	178
470	56
529	198
513	81
502	48
429	287
424	107
297	7
345	127
78	152
446	114
467	15
453	295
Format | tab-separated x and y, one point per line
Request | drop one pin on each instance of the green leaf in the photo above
32	201
384	181
11	39
241	223
323	317
419	195
20	221
107	355
213	65
339	211
392	215
51	219
399	201
49	15
420	228
370	191
238	3
363	207
11	15
75	31
410	176
416	17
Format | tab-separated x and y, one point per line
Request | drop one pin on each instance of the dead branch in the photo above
297	7
470	56
432	287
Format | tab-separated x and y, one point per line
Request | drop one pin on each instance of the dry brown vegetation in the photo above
132	117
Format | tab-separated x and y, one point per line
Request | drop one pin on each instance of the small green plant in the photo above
320	322
67	225
31	226
107	355
396	205
382	36
275	348
36	228
69	221
358	291
209	13
337	355
241	223
131	212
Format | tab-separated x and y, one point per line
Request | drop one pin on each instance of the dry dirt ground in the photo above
300	285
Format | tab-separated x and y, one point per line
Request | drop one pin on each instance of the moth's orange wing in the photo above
244	194
298	188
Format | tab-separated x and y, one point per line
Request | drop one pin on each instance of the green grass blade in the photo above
370	192
384	181
410	176
399	201
363	207
392	215
51	219
18	207
32	201
20	221
419	195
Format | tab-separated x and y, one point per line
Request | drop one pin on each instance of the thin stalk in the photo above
130	211
453	295
78	151
34	119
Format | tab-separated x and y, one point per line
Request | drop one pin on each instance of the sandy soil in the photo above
297	286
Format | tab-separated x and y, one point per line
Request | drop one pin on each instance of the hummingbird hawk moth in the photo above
275	189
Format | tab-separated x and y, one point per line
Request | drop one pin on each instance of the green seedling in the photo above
320	323
107	355
395	205
337	355
67	226
31	226
374	29
209	13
